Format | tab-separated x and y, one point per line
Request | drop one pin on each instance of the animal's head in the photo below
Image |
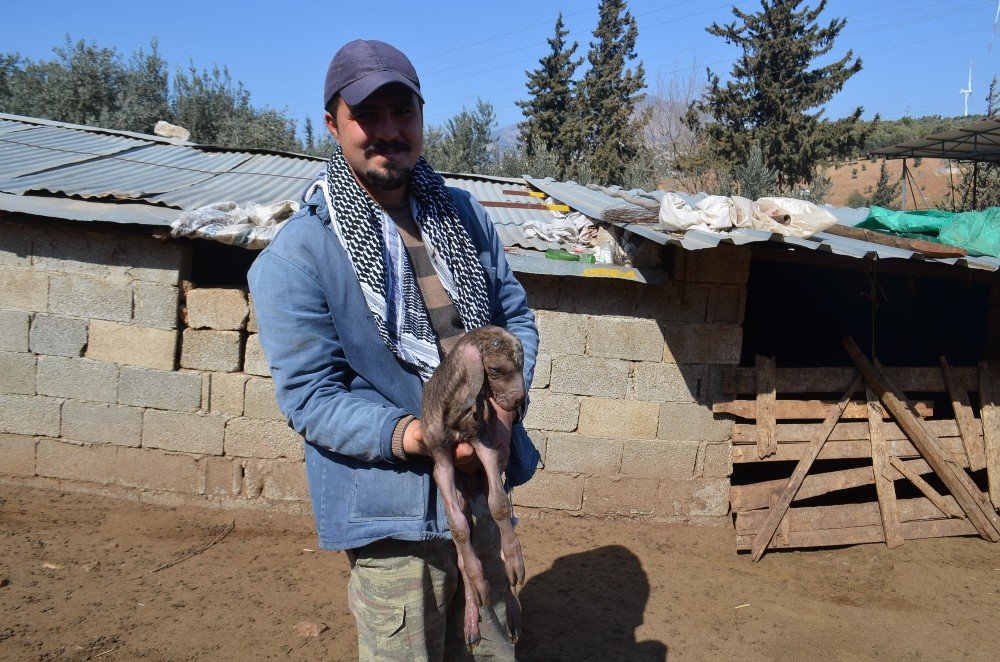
503	365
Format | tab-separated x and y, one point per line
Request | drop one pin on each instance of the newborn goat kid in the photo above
485	365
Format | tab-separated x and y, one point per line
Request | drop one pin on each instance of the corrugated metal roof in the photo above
976	142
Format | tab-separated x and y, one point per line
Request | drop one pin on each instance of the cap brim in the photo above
361	89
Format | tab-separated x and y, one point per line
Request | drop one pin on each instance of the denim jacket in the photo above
343	390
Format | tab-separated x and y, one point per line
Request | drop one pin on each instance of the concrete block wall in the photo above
620	406
115	379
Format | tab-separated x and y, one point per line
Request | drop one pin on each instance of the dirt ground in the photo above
77	582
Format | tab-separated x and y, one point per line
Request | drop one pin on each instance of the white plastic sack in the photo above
713	213
787	216
792	217
248	225
574	228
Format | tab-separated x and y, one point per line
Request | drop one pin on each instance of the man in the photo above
357	298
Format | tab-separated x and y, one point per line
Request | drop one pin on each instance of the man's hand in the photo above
464	459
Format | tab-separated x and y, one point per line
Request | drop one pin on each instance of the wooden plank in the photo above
989	394
807	409
737	381
757	495
533	194
767	440
955	479
801	469
842	516
884	488
788	433
932	495
524	205
966	420
848	449
928	248
942	528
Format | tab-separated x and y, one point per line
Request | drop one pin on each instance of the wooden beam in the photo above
989	395
788	433
842	516
955	479
946	508
846	449
928	248
886	491
807	409
966	420
801	469
739	381
524	205
533	194
767	440
942	528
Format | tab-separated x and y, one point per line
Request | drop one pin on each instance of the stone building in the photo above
130	366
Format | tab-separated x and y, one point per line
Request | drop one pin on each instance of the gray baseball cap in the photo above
364	65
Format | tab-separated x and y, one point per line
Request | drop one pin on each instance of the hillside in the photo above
862	175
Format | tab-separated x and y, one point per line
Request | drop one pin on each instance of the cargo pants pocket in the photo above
381	627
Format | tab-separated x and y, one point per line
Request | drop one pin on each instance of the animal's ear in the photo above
474	374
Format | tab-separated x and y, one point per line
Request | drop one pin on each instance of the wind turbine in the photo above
968	90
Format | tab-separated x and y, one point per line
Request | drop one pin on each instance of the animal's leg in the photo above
468	563
510	546
470	621
513	606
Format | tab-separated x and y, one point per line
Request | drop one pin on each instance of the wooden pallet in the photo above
826	414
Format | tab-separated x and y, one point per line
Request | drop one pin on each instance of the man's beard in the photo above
393	176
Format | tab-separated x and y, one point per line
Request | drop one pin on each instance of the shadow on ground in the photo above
587	606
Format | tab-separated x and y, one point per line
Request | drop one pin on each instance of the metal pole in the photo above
902	188
975	183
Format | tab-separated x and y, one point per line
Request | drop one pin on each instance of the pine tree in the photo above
775	97
606	123
546	112
885	194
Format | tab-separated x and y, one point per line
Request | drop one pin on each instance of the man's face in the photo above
381	137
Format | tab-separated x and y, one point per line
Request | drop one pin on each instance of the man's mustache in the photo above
385	146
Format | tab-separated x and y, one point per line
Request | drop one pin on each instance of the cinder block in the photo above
252	317
184	432
667	382
675	301
723	264
14	326
110	254
624	338
540	438
160	389
717	460
58	336
226	392
684	421
584	375
251	437
543	371
57	459
211	350
618	496
259	402
98	423
96	298
25	414
698	497
132	345
570	453
254	360
552	411
156	470
703	343
284	480
542	291
659	459
217	308
551	490
80	379
22	289
561	333
727	303
155	305
599	296
223	476
17	455
618	419
17	373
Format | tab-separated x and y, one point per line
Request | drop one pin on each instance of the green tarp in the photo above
976	231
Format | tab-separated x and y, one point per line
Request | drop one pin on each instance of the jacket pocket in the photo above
383	493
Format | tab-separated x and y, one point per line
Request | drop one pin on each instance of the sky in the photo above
915	53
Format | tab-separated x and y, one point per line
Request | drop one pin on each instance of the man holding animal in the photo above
359	298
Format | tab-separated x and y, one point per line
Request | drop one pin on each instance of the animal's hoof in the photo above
472	641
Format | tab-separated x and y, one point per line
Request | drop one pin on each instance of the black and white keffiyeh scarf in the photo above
383	266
